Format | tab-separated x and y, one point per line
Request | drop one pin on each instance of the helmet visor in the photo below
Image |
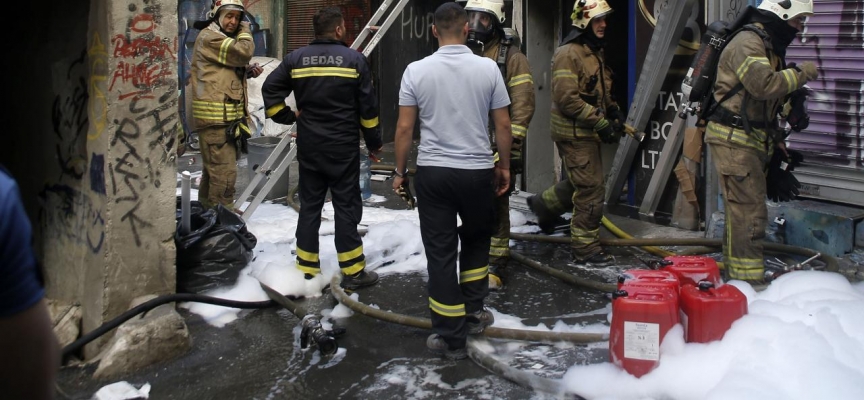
480	22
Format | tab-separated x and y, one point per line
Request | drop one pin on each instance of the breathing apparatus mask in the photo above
481	29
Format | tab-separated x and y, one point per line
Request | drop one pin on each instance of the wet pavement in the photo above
258	356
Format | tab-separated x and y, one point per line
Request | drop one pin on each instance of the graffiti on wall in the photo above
145	79
71	215
69	121
416	26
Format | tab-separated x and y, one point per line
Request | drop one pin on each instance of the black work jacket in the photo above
333	88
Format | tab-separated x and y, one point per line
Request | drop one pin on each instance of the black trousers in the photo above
321	170
442	194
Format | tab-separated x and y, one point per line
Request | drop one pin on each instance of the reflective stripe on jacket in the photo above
573	66
332	85
218	90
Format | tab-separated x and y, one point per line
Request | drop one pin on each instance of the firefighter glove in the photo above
238	133
798	118
285	116
780	184
809	70
516	163
605	131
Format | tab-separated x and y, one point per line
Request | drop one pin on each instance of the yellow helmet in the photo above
585	10
220	5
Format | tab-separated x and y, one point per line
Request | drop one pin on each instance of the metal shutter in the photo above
298	15
833	144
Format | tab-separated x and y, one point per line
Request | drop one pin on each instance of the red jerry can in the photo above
707	312
641	317
648	277
694	269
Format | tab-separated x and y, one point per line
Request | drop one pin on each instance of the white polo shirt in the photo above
454	91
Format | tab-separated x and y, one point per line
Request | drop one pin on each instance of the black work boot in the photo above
478	321
361	279
437	345
546	219
601	259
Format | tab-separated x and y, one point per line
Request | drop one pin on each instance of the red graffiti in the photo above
154	49
141	75
142	23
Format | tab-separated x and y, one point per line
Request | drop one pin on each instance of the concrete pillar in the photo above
127	198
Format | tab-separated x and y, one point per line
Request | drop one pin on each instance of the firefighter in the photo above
752	75
220	66
583	115
332	84
487	37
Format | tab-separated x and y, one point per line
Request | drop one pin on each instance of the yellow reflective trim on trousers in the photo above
563	74
756	140
308	270
223	50
307	256
745	268
791	80
520	79
369	123
745	66
473	274
518	130
325	71
355	268
583	236
445	310
349	255
500	241
274	110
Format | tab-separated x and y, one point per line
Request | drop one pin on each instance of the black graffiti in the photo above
133	220
69	120
68	213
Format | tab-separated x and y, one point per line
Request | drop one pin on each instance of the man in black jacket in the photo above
332	84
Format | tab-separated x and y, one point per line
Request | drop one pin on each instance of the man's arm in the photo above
31	354
224	50
277	86
367	102
503	138
402	142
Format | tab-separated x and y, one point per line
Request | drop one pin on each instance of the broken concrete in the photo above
65	319
155	336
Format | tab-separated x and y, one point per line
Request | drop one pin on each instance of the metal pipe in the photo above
185	202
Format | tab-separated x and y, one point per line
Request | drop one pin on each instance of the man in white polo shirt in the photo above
453	92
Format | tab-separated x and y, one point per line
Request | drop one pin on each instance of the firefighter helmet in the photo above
493	7
788	9
219	5
586	10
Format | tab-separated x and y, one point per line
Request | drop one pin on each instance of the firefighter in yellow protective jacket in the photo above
583	114
488	38
752	75
219	70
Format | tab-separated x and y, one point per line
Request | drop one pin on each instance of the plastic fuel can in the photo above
641	317
707	312
648	277
694	269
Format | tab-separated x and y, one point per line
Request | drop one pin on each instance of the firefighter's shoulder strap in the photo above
507	40
737	88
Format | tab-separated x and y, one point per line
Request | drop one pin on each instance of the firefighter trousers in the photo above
442	195
742	183
499	247
583	191
340	173
219	172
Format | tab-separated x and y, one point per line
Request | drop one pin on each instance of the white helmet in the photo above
585	10
220	5
494	7
788	9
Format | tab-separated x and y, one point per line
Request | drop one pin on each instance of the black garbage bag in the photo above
215	250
